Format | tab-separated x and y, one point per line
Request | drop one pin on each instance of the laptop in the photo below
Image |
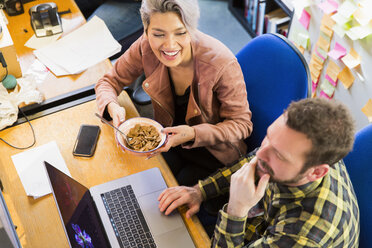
120	213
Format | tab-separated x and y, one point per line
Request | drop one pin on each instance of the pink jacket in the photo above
218	109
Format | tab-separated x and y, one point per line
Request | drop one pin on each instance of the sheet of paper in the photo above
367	110
346	77
329	6
347	8
36	43
81	49
30	168
305	19
352	59
337	52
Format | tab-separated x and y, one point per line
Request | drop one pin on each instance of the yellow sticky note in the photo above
317	60
367	110
327	21
346	77
326	30
352	59
323	44
333	70
362	16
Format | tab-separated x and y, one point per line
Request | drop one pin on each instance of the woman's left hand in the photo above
176	135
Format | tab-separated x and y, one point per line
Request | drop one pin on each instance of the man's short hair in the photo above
329	126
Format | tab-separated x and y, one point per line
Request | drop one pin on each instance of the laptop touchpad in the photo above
157	221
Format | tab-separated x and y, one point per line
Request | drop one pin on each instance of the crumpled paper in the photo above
26	92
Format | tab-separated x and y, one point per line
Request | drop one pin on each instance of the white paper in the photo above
39	42
79	50
31	169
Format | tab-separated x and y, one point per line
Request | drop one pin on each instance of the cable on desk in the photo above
33	134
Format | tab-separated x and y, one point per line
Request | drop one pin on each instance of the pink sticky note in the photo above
328	7
331	80
313	86
322	94
337	52
305	19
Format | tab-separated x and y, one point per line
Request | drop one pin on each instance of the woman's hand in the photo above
175	136
117	113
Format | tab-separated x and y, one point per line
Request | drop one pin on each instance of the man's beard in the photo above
273	179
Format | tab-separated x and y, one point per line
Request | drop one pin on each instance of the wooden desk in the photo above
53	86
39	218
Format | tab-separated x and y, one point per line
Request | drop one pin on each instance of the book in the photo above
261	17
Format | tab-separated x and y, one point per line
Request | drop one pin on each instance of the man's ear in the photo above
316	172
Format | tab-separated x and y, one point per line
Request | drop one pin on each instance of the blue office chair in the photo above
275	73
359	165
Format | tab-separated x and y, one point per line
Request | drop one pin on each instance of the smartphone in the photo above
86	141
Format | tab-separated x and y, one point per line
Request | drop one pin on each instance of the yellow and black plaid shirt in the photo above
323	213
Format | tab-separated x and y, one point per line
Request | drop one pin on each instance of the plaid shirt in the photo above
323	213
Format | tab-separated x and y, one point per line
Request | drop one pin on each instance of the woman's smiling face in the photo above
169	39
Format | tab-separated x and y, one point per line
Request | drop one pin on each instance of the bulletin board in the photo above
313	26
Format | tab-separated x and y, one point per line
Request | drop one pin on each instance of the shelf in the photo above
236	7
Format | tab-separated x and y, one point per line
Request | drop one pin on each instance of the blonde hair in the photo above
188	10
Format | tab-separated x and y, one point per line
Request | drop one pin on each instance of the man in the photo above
303	186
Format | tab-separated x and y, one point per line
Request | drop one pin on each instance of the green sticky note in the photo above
322	52
326	37
328	88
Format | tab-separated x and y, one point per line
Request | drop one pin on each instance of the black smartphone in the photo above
86	141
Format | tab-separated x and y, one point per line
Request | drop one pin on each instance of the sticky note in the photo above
332	71
329	6
346	77
327	21
305	19
321	51
299	5
352	59
340	19
302	39
329	79
367	110
313	86
323	43
339	30
359	32
326	30
327	88
337	52
322	94
347	8
320	54
361	15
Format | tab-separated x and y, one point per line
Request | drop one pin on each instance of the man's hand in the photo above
174	197
117	113
244	194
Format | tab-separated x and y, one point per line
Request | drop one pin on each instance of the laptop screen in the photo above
78	211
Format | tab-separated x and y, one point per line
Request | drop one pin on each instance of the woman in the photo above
195	84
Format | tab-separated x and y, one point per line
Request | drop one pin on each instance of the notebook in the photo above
120	213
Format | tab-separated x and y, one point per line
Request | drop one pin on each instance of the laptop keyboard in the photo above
127	218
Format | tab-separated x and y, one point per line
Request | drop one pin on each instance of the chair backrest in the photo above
275	73
359	165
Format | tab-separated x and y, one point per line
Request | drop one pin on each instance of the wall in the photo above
358	94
